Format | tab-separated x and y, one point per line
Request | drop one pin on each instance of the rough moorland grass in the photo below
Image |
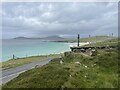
111	42
96	38
100	71
21	61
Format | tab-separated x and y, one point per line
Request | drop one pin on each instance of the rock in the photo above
36	66
78	63
67	54
61	62
85	66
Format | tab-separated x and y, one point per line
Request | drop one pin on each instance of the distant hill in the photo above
96	39
49	38
53	38
21	38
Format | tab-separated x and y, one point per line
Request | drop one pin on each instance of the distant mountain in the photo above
21	38
49	38
53	38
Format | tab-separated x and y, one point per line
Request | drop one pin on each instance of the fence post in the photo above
78	40
13	56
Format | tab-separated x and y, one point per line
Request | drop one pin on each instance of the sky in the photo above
65	19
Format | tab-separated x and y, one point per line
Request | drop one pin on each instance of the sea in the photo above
28	47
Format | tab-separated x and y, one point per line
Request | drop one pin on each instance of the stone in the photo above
61	62
78	63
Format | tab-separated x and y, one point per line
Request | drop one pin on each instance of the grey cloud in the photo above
36	19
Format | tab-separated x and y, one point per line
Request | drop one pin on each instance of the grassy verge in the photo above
111	42
100	71
97	38
21	61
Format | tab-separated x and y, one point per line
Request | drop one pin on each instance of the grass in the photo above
21	61
111	42
100	71
97	39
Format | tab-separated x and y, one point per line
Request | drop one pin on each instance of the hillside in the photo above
53	38
96	39
110	42
21	38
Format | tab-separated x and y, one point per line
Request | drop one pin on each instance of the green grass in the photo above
21	61
102	75
100	71
111	42
97	39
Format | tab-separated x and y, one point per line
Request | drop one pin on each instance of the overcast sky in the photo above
64	19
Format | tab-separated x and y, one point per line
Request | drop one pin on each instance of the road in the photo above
11	73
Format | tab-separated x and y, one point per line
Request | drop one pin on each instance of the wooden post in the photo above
112	34
13	56
78	40
26	55
89	36
89	39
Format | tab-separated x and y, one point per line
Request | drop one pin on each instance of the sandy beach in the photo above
81	44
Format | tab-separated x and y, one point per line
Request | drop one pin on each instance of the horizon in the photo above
75	37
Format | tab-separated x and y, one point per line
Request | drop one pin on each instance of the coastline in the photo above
81	44
12	63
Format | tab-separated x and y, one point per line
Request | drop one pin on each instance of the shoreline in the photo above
81	44
30	56
21	61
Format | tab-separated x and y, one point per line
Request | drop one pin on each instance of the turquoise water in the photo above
23	48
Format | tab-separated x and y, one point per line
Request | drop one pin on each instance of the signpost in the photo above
78	39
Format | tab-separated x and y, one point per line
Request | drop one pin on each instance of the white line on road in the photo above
13	74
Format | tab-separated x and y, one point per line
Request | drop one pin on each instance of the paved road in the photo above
11	73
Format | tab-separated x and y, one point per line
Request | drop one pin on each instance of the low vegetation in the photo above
111	42
21	61
97	39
